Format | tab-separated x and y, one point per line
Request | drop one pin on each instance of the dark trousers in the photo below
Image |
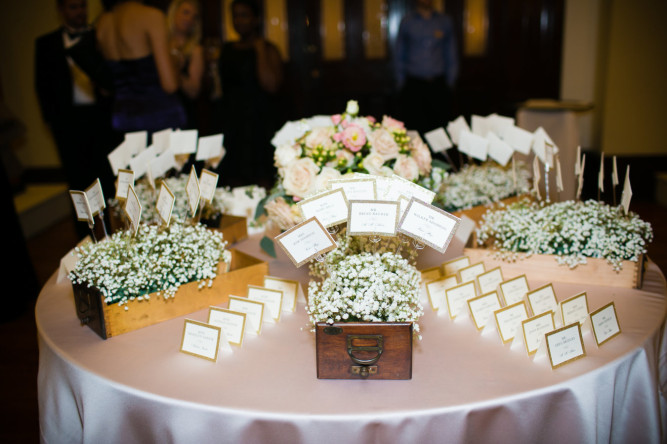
425	104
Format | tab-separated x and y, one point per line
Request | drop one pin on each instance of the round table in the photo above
465	386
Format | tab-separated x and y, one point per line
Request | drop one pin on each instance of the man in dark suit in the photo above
70	97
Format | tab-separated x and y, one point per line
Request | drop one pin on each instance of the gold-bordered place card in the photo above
535	328
305	241
508	320
232	322
489	281
356	189
272	299
428	224
165	203
565	345
81	206
436	289
514	290
254	311
454	265
330	207
574	309
403	187
372	218
132	209
96	197
482	308
289	288
208	180
605	323
429	274
542	299
456	298
192	191
124	181
201	340
470	272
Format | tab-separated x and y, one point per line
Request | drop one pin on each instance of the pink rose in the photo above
338	137
422	155
336	118
406	167
383	143
392	124
371	119
354	138
299	177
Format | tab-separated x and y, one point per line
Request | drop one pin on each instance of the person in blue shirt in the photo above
426	64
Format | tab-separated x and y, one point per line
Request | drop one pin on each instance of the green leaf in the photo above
441	164
268	246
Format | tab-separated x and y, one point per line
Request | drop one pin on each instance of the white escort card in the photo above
514	290
489	280
133	210
574	309
330	207
192	191
436	290
254	311
455	127
208	180
306	241
454	265
183	142
456	298
565	345
542	299
438	140
499	150
482	308
272	300
141	162
162	163
535	328
81	206
474	145
200	340
96	197
289	288
124	181
470	272
428	224
233	323
356	189
402	187
136	141
519	139
210	147
372	218
119	157
161	140
508	320
165	203
605	323
479	125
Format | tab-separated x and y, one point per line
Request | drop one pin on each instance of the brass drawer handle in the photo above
376	348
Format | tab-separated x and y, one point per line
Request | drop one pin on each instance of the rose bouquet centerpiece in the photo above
330	147
571	230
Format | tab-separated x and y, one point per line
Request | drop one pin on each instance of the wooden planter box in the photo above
545	267
364	350
113	320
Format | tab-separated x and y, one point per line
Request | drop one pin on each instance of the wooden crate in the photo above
364	350
113	320
545	268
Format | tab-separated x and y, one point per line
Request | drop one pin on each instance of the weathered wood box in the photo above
544	267
364	350
113	320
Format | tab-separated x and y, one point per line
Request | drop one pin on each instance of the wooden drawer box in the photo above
364	350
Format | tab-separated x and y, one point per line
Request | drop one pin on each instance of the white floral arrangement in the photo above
347	143
361	281
125	267
476	185
570	230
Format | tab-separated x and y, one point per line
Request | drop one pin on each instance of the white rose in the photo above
322	179
383	143
352	108
299	177
320	136
373	163
286	153
406	167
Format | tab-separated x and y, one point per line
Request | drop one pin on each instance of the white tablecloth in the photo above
466	386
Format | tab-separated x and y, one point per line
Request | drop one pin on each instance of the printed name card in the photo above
254	311
140	163
565	345
428	224
183	142
207	183
473	145
289	288
124	181
136	141
499	150
489	281
356	189
605	323
210	147
403	187
455	127
81	206
509	320
470	272
330	207
192	191
119	157
201	340
535	328
96	197
519	139
453	266
483	307
272	299
306	241
231	322
457	297
162	163
514	290
133	210
574	309
165	203
436	290
372	218
438	140
543	299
